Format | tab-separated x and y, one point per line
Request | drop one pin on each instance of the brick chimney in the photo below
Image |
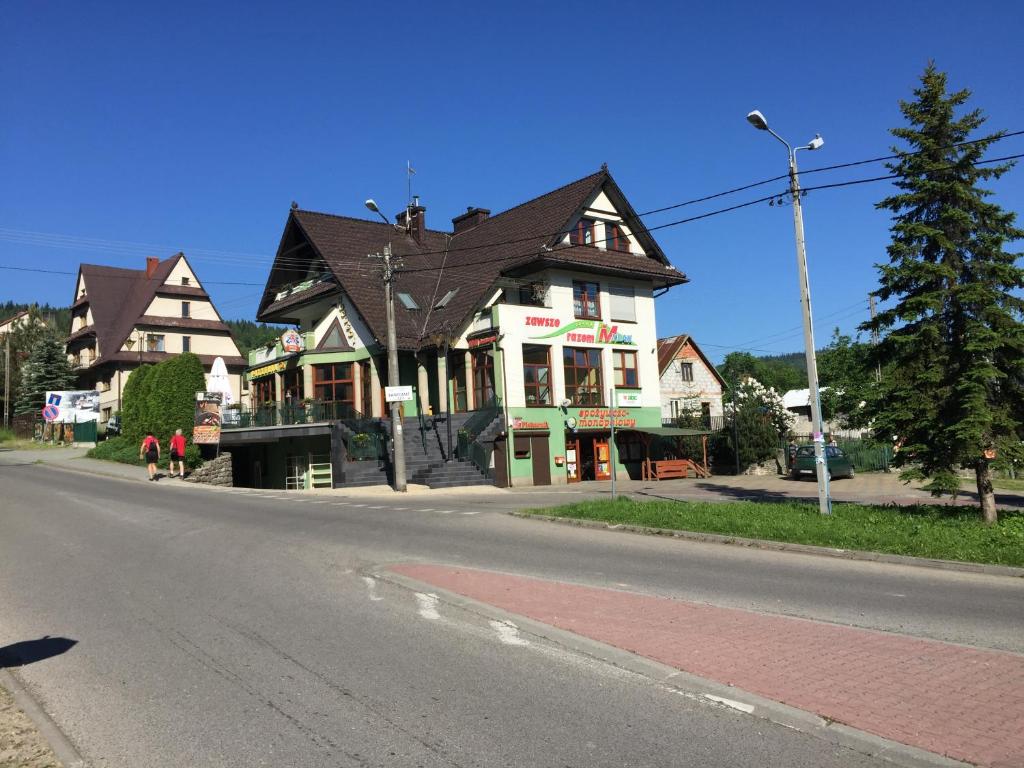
419	219
151	264
473	217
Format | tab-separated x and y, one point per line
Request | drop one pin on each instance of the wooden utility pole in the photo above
874	334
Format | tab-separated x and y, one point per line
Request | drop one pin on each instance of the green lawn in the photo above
1008	485
947	533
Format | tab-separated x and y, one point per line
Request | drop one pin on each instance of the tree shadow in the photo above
31	651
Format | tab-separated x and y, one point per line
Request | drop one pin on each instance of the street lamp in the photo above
393	380
759	121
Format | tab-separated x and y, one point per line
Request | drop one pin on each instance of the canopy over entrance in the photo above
654	470
672	431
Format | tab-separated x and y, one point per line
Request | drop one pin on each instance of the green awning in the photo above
671	431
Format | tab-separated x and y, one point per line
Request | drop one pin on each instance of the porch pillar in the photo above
374	390
442	382
308	390
470	390
422	384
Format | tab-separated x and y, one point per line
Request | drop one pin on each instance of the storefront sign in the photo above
292	341
398	394
480	341
73	406
206	428
627	398
520	423
602	418
266	370
582	331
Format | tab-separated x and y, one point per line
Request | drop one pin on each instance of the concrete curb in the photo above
62	747
692	686
782	546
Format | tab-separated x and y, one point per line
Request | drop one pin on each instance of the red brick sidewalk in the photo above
961	702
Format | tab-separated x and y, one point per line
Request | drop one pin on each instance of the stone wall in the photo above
214	472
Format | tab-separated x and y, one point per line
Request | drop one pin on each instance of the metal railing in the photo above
287	414
468	447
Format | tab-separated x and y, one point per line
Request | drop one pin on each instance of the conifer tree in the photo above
953	348
46	369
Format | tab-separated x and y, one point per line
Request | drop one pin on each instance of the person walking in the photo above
151	449
178	453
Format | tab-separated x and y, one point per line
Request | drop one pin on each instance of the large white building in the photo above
123	318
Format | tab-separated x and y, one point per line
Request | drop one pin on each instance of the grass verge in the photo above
946	533
1008	485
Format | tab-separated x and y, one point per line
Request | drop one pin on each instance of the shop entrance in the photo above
587	456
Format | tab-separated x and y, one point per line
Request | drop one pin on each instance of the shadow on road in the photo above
31	651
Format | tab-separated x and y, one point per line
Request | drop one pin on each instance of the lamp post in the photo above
758	120
393	380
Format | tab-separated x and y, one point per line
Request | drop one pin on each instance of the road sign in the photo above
50	412
398	394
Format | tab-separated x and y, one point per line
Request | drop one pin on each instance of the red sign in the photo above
50	412
601	417
520	423
543	322
481	341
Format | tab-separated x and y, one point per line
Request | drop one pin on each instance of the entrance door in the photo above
541	458
500	462
572	460
602	459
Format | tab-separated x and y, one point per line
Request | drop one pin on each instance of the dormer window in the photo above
615	238
582	233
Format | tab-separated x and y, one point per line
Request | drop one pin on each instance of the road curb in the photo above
58	742
782	546
692	686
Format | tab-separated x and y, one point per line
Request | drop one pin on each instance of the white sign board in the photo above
627	399
398	394
74	406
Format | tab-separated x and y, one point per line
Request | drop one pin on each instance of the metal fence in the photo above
866	455
286	414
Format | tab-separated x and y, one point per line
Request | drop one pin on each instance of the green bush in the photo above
135	404
125	451
6	436
172	395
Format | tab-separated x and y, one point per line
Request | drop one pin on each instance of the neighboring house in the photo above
798	402
8	325
519	323
689	382
122	318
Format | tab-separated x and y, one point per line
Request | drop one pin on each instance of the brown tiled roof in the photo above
320	289
669	349
516	242
80	301
182	290
118	297
81	333
157	321
231	361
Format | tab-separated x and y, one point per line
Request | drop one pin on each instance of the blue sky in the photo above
142	128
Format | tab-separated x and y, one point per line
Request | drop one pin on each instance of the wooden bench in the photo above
666	469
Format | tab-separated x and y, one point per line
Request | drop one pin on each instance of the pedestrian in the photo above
178	453
791	454
151	449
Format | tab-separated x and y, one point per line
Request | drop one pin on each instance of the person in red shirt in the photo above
178	453
151	448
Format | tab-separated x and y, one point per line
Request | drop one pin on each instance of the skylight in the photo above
408	301
446	298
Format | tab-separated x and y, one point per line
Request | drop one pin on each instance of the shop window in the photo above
264	391
333	383
623	303
625	368
537	374
629	446
483	378
522	447
586	300
615	237
186	343
582	376
457	372
292	385
366	390
582	233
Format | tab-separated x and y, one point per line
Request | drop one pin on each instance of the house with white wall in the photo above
689	382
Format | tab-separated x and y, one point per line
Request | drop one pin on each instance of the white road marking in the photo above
428	605
444	511
320	502
371	584
469	513
376	507
508	633
425	510
399	509
358	505
748	708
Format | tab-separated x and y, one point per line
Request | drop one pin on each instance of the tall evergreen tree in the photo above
47	368
954	338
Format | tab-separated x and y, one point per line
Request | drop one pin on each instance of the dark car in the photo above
839	464
114	426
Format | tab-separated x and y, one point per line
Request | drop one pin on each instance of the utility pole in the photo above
611	440
7	381
874	334
397	438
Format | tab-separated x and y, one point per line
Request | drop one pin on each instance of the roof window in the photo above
446	298
408	301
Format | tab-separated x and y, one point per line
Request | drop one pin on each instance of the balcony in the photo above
288	414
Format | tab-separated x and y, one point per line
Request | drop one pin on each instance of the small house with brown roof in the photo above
689	382
523	335
123	318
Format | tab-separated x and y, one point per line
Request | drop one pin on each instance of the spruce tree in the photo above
953	348
46	369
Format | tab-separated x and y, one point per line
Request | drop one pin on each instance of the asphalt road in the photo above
245	628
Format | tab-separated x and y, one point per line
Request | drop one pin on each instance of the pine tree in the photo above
46	369
954	338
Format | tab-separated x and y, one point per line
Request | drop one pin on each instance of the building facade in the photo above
124	318
690	384
525	336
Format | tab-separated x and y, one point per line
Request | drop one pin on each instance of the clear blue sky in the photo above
143	128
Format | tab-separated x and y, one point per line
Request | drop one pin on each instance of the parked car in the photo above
839	464
113	426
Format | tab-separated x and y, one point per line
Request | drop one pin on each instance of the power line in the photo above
107	277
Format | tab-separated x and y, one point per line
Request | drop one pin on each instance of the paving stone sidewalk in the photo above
961	702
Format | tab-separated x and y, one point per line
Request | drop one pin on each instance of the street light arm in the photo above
789	149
